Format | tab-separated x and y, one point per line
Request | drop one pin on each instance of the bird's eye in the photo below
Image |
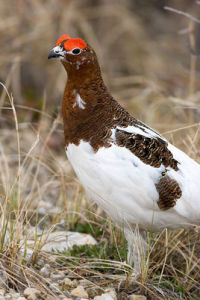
76	51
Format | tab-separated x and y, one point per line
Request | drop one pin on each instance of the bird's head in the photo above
74	53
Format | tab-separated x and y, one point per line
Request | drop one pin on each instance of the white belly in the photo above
125	188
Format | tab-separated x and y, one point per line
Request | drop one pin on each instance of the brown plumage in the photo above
152	151
169	191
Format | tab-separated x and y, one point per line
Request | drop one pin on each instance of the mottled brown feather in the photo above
169	191
152	151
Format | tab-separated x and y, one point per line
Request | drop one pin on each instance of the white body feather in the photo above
125	188
79	102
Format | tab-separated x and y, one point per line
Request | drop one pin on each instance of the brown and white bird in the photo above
131	171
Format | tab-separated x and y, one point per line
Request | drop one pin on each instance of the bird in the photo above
133	173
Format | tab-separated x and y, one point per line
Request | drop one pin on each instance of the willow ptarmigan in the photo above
131	171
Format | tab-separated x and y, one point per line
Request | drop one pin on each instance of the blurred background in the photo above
144	51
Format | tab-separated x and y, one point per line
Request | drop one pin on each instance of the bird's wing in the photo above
152	149
147	145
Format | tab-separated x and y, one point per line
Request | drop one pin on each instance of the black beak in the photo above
53	54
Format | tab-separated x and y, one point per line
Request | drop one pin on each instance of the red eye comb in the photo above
74	43
62	38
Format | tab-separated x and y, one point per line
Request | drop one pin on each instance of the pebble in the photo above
57	276
109	295
112	293
104	296
31	293
44	207
45	271
2	297
84	282
69	283
40	262
79	239
26	253
137	297
62	240
21	298
2	292
15	296
80	292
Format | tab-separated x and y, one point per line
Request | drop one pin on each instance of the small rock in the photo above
80	292
44	207
31	293
2	297
105	296
137	297
26	252
40	262
79	239
62	240
112	293
57	276
21	298
15	296
109	295
8	296
69	283
2	292
45	271
84	282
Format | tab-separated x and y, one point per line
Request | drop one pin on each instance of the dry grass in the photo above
155	77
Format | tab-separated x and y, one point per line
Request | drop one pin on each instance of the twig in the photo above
180	12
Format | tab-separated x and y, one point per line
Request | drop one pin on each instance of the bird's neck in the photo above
89	111
82	76
85	103
87	83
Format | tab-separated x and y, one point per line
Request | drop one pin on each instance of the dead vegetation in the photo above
150	62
